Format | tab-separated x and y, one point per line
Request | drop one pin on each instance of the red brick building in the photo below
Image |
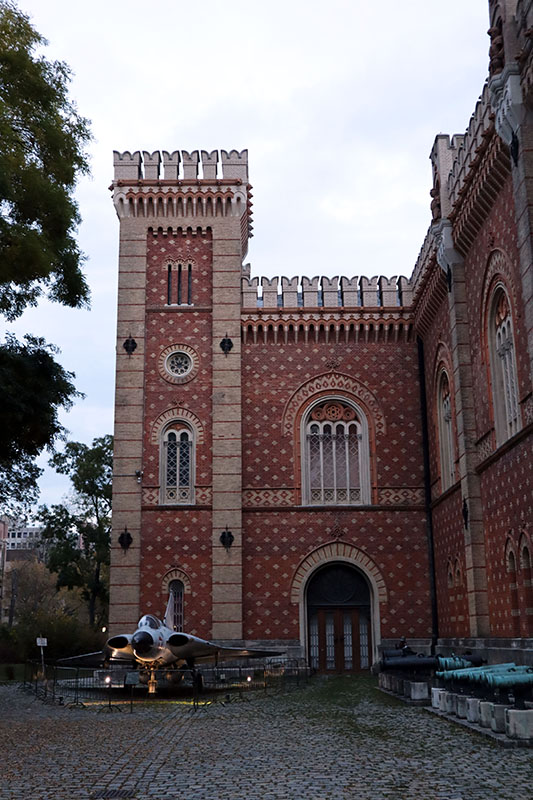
328	464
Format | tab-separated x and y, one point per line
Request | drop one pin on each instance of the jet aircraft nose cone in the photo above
142	642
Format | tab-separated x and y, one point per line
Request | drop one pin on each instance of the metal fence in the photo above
116	685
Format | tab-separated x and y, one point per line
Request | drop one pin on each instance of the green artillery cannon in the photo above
516	677
456	663
473	674
423	663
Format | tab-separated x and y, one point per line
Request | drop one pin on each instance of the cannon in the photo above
421	662
471	674
514	678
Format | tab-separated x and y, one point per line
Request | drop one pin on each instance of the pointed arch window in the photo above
177	464
446	435
503	368
176	590
335	457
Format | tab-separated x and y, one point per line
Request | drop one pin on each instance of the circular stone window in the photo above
178	363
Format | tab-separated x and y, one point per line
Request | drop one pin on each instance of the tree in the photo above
78	537
41	610
42	153
34	387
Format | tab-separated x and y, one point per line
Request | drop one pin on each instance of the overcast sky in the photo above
338	104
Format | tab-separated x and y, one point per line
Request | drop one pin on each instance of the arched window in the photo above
503	368
446	440
335	454
451	576
176	591
177	464
513	591
525	563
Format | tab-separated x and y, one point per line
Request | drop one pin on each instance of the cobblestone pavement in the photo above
335	740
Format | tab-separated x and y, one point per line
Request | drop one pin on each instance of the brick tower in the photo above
183	236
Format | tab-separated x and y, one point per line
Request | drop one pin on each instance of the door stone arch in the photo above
338	553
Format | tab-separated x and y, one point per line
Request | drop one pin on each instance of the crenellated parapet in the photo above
524	32
282	293
468	173
181	184
181	165
471	147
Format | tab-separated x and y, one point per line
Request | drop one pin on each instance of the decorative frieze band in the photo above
151	496
257	498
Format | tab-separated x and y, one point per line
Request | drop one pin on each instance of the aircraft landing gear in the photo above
152	683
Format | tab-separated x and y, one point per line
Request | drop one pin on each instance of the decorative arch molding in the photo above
332	382
443	361
337	551
498	271
177	414
510	557
176	574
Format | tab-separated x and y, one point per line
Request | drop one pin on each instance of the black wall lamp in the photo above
226	345
130	345
125	539
226	538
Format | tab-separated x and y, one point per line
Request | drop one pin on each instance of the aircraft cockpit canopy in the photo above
149	622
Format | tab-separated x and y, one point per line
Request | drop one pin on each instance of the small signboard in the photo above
41	642
132	679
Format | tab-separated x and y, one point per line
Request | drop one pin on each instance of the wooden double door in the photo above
339	639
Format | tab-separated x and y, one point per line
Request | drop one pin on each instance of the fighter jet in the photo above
155	645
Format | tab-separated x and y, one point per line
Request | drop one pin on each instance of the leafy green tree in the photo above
42	141
34	387
42	153
78	537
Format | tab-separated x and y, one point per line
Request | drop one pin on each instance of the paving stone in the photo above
337	739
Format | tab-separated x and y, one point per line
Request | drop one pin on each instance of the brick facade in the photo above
263	355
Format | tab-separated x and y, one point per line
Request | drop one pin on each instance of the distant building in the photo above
17	543
328	464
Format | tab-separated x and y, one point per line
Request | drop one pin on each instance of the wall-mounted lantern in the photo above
226	345
130	345
125	539
226	538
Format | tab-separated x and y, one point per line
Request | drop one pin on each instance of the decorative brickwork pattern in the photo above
254	498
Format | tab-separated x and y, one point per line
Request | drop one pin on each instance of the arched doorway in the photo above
338	613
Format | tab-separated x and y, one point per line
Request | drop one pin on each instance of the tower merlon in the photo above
235	164
151	163
171	165
209	164
127	165
370	291
190	164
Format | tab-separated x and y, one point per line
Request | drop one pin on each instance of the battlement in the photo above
453	158
322	292
472	144
181	165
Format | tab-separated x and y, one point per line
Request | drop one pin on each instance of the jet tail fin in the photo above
168	619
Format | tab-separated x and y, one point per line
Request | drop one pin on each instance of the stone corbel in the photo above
508	105
447	255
